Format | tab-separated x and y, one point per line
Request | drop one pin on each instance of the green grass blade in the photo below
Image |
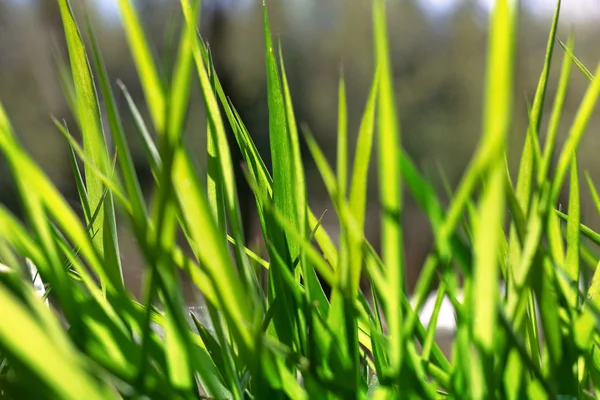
213	253
59	368
342	138
557	108
486	272
152	154
145	64
132	185
572	258
576	132
83	197
88	116
390	185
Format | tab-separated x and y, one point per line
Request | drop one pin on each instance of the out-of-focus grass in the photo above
286	338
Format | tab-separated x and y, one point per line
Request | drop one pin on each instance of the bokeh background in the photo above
438	52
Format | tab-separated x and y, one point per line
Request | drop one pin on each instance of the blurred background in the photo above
438	52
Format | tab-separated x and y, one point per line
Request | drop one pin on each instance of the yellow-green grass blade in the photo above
216	201
132	185
224	169
576	132
362	157
559	100
177	356
59	367
88	117
497	113
145	64
580	65
342	137
572	257
531	152
179	362
389	153
343	325
486	271
213	253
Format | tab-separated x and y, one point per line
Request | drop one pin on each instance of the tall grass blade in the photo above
88	117
389	151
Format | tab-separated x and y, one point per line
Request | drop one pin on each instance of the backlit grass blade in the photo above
580	65
282	141
531	152
145	64
572	257
486	272
557	108
362	157
497	111
132	185
88	117
576	132
389	153
314	289
224	169
213	253
257	167
59	368
342	138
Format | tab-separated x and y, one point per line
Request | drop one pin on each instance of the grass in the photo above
288	337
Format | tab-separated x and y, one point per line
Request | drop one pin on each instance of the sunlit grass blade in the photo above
576	132
132	185
557	108
213	253
572	257
342	137
145	64
88	117
389	152
58	367
486	272
531	156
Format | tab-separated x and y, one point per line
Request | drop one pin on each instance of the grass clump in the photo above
286	337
